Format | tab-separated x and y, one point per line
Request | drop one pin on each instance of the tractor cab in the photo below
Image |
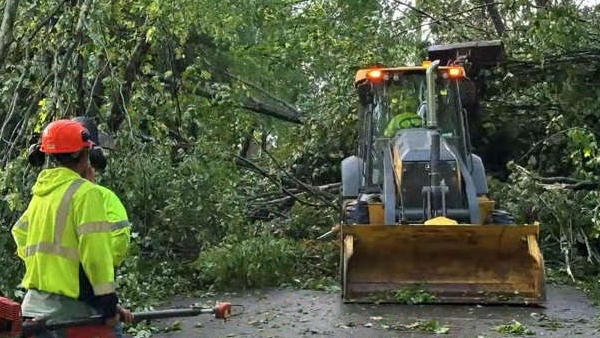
389	92
399	110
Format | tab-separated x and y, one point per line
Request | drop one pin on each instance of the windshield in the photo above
398	102
405	94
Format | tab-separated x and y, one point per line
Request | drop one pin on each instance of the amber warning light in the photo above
455	72
375	74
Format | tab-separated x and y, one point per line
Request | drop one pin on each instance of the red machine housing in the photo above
91	331
11	324
10	318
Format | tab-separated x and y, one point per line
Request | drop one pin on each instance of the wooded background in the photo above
230	120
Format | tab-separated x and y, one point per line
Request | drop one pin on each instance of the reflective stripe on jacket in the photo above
65	226
120	226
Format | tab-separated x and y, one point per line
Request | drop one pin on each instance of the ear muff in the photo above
35	156
85	136
90	126
97	158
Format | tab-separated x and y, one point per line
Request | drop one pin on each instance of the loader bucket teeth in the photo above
447	263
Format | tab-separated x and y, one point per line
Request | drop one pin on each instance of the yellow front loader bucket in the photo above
450	263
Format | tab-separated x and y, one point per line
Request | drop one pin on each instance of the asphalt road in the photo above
293	313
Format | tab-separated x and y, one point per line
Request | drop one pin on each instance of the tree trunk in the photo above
494	15
121	97
6	30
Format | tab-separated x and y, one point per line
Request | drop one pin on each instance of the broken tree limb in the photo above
308	189
311	190
297	181
262	90
244	162
560	182
333	231
282	113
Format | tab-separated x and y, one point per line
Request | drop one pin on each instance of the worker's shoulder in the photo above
104	190
108	194
88	187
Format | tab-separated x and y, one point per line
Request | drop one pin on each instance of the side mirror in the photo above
365	96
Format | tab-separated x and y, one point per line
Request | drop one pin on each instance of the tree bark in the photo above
6	29
261	107
246	144
490	6
118	111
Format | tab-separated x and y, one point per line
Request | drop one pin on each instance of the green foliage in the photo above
169	80
329	282
176	206
15	182
308	222
13	267
413	295
433	326
568	221
263	262
429	326
591	286
143	282
514	328
256	262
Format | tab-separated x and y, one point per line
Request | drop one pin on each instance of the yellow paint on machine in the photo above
456	263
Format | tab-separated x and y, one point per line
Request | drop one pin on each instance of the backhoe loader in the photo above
416	211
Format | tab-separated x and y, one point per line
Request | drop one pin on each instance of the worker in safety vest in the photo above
64	235
406	107
117	214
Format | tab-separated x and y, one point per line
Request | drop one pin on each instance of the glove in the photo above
106	305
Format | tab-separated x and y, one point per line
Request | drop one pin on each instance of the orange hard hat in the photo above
64	137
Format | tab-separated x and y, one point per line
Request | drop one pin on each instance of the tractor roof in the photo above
365	74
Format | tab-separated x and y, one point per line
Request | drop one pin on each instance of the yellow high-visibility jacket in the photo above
120	226
64	227
402	121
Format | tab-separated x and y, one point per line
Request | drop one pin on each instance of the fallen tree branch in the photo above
312	189
592	255
269	109
549	137
297	181
560	182
250	165
249	103
265	92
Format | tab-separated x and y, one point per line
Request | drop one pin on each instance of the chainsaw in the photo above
13	325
